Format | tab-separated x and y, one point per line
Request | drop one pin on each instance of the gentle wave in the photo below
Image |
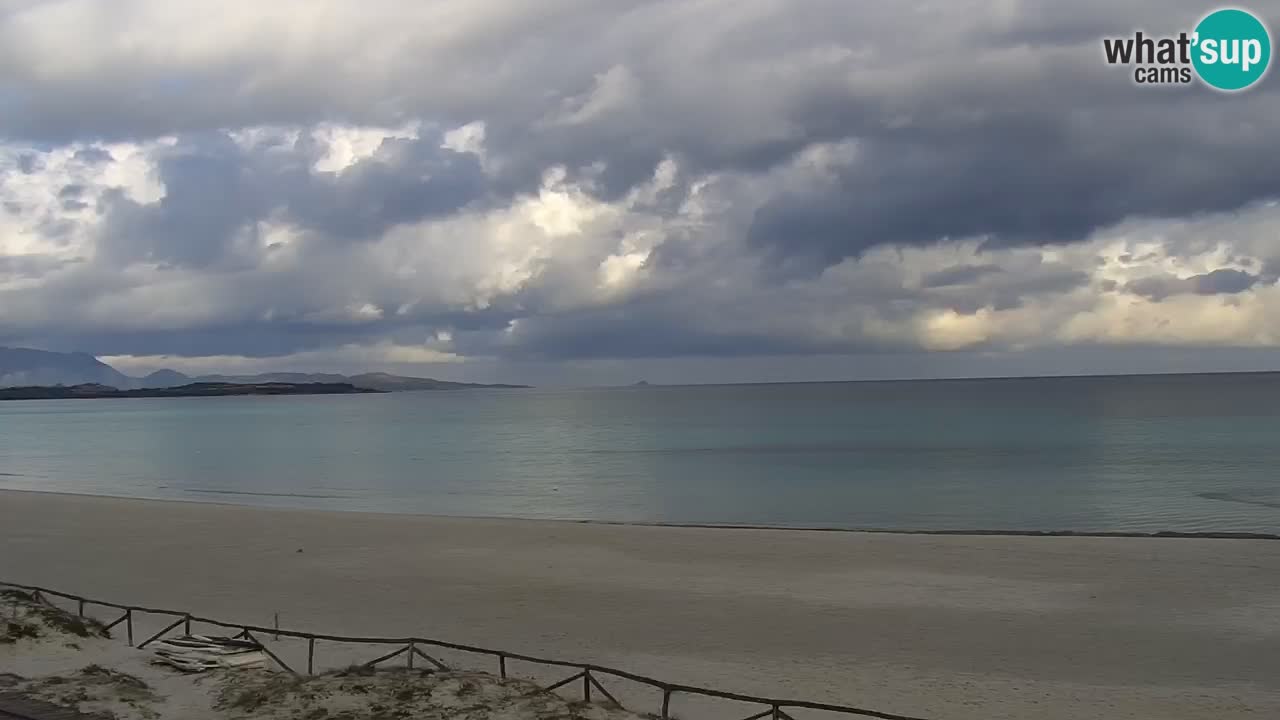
1228	497
206	491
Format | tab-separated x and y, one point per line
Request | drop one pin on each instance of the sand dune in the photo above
54	659
956	627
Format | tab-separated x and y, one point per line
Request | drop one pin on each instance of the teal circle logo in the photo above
1232	49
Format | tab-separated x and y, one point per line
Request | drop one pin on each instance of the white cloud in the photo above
48	207
467	138
612	91
342	358
345	145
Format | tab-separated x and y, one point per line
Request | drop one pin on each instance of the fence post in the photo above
666	704
410	655
80	608
586	685
186	626
311	654
775	713
502	666
128	624
160	634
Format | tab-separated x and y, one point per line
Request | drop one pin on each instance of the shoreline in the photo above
1159	534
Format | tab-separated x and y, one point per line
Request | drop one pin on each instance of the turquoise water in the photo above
1183	453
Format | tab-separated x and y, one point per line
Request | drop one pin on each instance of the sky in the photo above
603	191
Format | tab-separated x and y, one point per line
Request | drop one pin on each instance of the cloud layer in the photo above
486	189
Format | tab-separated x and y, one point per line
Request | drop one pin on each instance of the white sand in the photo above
939	626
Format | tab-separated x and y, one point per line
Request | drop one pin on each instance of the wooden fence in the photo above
411	648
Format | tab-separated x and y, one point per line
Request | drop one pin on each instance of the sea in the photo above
1128	454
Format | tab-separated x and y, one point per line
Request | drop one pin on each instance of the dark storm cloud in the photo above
1224	281
263	339
1271	269
70	197
1049	279
1029	148
958	275
660	327
28	163
93	156
702	315
406	181
1045	176
209	195
1006	290
215	190
59	230
1158	287
251	339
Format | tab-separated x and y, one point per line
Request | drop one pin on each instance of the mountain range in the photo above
21	367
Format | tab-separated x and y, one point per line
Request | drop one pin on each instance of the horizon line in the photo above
960	378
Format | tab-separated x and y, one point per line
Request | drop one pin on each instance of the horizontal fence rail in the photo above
586	672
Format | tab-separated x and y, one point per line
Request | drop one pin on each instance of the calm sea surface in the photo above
1186	453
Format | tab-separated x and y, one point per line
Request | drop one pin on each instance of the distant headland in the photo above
95	391
27	368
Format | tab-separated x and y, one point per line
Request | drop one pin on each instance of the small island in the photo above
93	391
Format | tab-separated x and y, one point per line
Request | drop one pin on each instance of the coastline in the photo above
974	532
949	626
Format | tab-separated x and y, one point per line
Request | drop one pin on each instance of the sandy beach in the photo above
963	627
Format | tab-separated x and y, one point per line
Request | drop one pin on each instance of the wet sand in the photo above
948	626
